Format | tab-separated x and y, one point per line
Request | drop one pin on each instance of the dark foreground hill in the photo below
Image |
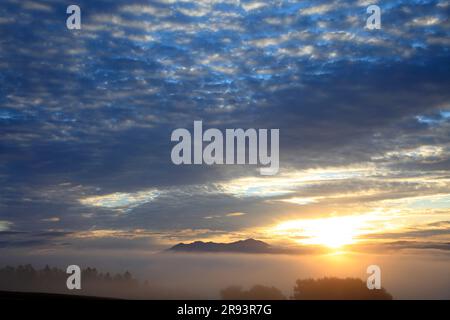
16	295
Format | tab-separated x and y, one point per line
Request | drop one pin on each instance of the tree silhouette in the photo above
337	289
257	292
53	280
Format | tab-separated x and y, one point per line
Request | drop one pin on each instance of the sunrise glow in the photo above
334	232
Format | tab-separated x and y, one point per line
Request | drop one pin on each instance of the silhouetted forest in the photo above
311	289
337	289
122	285
257	292
53	280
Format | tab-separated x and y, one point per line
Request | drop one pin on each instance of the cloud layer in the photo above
86	116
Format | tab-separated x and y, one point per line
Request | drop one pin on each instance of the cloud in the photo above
288	181
235	214
52	219
425	21
86	116
439	230
321	9
35	6
5	225
121	201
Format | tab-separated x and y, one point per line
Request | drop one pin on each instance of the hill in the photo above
242	246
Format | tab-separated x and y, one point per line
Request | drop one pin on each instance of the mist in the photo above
406	275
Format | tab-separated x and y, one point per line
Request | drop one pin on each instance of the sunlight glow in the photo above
332	232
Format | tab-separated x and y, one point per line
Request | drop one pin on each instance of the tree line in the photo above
25	278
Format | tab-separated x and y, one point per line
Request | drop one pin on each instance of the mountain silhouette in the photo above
241	246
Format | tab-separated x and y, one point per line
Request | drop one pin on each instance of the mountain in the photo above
242	246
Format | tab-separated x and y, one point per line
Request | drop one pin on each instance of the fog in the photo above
406	275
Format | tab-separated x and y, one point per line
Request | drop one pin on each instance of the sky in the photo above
86	117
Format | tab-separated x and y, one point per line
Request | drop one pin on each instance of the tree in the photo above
257	292
337	289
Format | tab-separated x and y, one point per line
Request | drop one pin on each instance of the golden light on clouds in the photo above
288	181
120	200
333	207
338	231
235	214
333	232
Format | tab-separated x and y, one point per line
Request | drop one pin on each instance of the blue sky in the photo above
86	117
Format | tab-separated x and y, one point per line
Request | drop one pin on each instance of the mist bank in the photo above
406	275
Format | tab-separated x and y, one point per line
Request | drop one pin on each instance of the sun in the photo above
333	233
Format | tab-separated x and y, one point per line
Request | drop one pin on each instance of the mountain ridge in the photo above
240	246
